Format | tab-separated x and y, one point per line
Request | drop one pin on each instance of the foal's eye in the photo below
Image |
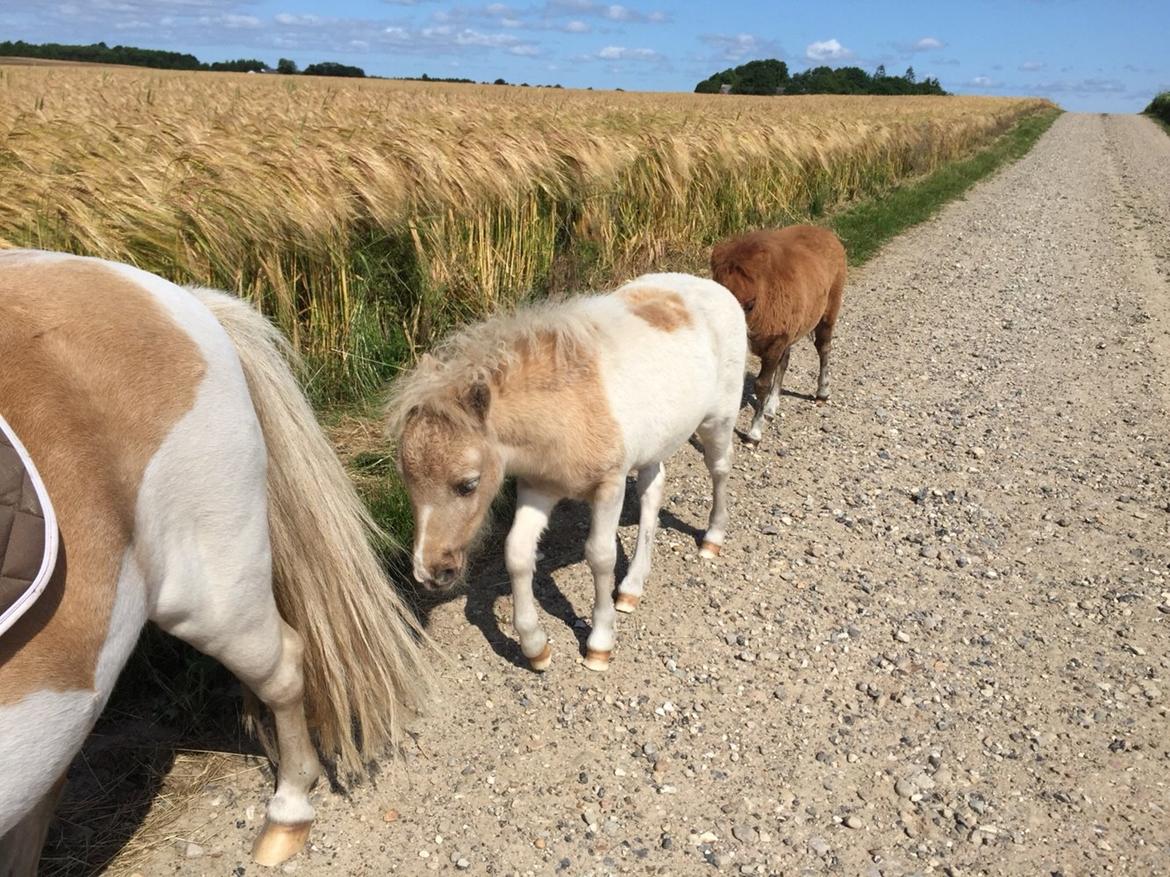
467	486
748	305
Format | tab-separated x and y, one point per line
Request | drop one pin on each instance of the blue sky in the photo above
1085	54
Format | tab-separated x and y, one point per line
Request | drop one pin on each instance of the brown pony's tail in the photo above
363	648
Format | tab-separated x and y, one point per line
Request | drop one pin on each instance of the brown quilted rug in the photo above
22	528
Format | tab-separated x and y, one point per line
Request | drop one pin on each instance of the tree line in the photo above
771	76
100	53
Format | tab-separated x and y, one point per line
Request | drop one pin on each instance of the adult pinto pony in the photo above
569	398
790	282
193	487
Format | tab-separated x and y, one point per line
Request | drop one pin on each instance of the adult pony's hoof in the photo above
626	602
598	661
710	550
822	401
540	662
278	842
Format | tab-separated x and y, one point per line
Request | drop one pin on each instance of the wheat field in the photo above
367	216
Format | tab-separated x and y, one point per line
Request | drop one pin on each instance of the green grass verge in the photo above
865	227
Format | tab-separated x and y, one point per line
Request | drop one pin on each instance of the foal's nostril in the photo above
445	575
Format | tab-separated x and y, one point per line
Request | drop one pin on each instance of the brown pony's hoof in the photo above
278	843
626	602
710	550
597	661
540	662
822	402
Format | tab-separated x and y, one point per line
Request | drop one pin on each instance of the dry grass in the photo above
367	216
113	834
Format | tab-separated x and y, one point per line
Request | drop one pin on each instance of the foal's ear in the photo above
477	399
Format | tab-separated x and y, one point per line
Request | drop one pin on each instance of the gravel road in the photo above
938	640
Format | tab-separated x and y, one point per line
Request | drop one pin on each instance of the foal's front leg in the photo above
601	553
533	508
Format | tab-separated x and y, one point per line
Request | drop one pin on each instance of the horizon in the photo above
1081	54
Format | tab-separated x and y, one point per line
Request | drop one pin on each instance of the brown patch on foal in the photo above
554	404
661	308
93	376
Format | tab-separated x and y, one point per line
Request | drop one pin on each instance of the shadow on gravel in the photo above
562	545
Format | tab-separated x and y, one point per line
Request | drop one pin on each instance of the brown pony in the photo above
789	282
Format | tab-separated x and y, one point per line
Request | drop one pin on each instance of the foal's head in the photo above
452	468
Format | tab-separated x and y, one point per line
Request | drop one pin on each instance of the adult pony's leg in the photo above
20	848
651	487
533	508
251	639
716	435
601	553
772	368
823	340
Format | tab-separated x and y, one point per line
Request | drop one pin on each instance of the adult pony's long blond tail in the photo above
364	652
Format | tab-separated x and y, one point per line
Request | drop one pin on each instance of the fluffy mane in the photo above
485	352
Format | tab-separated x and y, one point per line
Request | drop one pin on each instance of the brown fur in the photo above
790	282
92	402
661	308
558	416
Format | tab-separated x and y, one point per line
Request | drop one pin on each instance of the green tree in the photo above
286	66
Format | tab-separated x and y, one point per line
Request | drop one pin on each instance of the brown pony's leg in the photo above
773	365
823	339
20	848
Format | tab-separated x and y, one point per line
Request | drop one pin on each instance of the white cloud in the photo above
927	43
610	11
827	50
982	82
1092	85
288	18
1031	66
741	47
577	26
621	53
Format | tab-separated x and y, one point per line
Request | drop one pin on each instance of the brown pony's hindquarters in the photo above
20	849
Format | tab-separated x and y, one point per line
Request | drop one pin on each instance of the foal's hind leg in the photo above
651	487
234	619
20	848
716	435
823	340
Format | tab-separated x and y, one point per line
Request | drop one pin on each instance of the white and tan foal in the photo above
194	488
569	398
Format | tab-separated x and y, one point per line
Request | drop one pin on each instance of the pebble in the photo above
745	834
853	821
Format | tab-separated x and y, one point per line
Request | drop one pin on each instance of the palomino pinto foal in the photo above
569	398
789	282
193	487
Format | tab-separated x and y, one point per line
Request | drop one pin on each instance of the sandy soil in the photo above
938	640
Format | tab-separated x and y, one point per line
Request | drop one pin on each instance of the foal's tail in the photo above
363	648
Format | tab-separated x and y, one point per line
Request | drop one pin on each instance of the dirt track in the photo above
939	638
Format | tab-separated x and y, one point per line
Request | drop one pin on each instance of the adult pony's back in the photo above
193	487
